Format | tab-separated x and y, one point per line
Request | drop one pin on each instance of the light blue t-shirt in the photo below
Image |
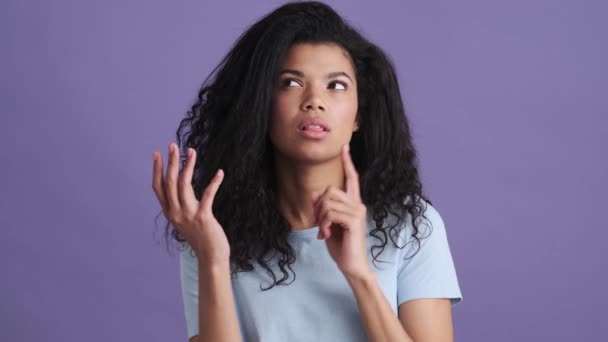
320	305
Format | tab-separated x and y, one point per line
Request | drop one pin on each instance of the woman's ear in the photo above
356	124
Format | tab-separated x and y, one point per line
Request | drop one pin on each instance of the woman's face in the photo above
316	82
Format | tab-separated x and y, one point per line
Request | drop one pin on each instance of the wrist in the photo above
361	277
213	266
209	257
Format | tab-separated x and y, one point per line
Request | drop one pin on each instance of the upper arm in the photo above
427	319
427	269
427	285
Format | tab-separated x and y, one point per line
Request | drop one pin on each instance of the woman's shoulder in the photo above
425	215
423	209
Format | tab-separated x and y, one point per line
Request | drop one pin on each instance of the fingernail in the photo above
189	152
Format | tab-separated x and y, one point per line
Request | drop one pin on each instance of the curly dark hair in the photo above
228	126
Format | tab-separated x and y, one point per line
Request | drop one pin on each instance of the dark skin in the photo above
318	185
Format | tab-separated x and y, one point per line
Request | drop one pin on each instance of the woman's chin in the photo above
313	155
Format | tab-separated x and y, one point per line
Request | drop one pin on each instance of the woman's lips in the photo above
313	133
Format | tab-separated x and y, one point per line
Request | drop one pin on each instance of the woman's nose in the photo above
313	106
313	101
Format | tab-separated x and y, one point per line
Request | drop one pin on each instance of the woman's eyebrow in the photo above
328	76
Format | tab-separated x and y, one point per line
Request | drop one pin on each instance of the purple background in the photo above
508	102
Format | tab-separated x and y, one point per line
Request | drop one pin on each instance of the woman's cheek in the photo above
279	130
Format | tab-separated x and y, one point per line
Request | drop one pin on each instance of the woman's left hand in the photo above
341	216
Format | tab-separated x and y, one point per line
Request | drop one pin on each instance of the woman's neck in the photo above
298	182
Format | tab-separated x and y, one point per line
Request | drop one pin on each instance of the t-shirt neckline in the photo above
304	232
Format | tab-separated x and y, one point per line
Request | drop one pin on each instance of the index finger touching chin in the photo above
352	177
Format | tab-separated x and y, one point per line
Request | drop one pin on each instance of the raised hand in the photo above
193	219
342	222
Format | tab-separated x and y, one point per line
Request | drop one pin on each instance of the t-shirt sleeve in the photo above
430	272
188	265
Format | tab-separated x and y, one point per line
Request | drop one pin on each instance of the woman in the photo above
301	133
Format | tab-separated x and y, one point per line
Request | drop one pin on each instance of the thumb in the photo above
324	234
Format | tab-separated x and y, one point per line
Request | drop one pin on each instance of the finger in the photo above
315	195
334	219
319	200
335	194
210	191
350	172
186	192
331	205
339	196
158	182
171	179
328	207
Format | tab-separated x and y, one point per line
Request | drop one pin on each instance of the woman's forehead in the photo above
318	58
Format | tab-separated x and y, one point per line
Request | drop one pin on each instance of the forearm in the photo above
218	320
381	323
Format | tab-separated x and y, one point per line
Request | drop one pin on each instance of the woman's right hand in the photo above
193	219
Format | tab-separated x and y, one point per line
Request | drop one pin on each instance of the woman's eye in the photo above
340	84
289	82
